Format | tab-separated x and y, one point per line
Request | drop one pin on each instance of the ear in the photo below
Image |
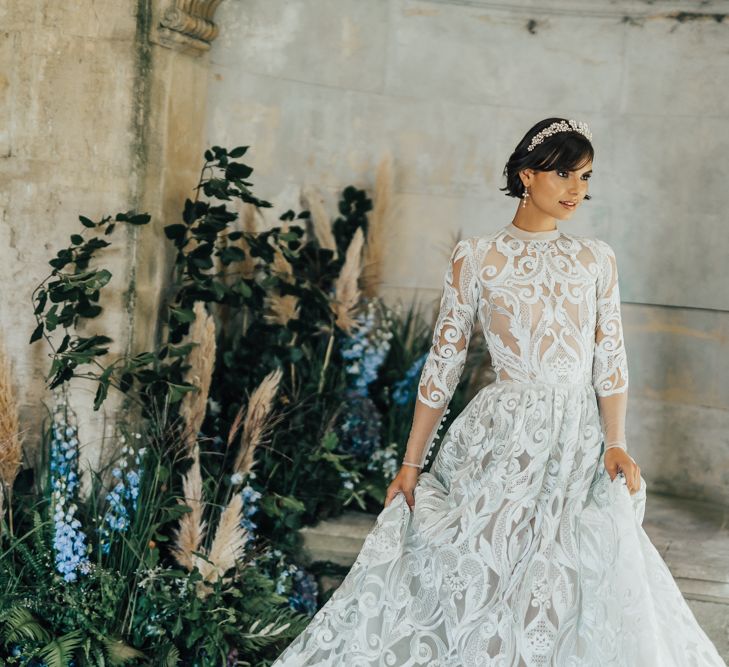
526	176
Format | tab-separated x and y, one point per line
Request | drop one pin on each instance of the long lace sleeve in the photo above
447	355
610	365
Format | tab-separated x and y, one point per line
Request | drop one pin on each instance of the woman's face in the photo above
557	193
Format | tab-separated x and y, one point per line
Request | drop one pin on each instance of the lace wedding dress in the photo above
520	551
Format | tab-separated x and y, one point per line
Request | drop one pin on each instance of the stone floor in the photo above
691	536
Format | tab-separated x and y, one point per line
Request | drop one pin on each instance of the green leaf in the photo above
100	279
37	333
175	232
180	350
330	441
86	222
41	299
237	170
182	315
126	381
177	391
243	289
238	151
18	623
64	344
59	652
101	393
120	653
77	239
139	219
89	312
232	254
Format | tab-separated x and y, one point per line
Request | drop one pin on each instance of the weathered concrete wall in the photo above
67	147
322	90
98	117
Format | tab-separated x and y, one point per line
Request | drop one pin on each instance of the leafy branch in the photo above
71	294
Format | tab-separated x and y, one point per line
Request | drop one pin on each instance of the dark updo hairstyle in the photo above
563	151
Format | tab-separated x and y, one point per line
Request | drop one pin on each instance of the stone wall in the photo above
321	91
103	111
104	107
68	146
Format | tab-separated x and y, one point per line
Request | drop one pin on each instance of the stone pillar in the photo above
103	107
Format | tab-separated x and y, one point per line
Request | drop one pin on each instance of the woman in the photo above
522	545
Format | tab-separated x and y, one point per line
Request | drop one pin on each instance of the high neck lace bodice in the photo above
549	307
525	235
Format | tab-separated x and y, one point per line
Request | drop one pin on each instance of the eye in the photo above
585	177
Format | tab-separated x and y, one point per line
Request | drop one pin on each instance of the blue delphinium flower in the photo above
306	591
69	541
250	507
360	430
367	348
122	499
404	390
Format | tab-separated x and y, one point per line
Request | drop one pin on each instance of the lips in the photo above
568	204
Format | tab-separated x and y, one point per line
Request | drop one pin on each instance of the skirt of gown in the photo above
520	552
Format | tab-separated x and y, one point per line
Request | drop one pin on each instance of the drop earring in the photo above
524	197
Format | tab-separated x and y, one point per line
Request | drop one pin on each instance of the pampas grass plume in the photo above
375	247
200	373
311	199
190	534
346	291
228	544
11	453
257	421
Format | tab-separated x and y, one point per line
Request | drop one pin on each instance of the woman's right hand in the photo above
404	483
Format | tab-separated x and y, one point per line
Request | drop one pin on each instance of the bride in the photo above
522	544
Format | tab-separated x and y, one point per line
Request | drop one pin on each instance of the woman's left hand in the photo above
618	460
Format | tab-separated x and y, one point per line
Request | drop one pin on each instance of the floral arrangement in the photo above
266	407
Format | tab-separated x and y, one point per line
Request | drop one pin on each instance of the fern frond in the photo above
18	623
59	652
120	653
97	658
171	657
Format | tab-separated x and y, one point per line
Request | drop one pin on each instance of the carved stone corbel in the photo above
185	25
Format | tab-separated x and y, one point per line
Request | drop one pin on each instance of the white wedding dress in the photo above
520	550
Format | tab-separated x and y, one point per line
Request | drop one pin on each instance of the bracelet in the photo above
622	446
412	465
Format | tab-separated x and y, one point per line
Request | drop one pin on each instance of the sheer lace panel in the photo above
610	366
447	355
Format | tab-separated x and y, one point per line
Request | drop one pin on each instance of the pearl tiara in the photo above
561	126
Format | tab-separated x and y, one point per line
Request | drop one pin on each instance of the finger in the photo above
410	499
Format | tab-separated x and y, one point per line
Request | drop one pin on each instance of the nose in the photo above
577	187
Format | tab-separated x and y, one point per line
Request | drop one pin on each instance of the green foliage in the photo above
71	294
136	605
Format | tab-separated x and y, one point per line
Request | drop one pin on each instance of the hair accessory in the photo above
560	126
